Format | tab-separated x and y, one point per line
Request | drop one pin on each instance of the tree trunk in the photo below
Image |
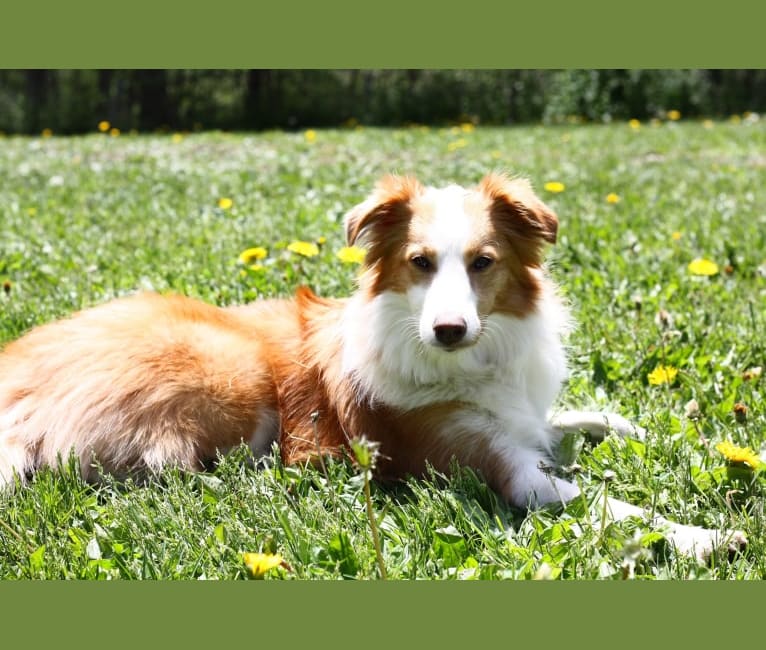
258	109
153	100
37	86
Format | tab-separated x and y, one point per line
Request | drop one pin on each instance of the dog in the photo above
450	348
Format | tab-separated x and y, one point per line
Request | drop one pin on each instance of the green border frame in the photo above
335	33
394	33
368	614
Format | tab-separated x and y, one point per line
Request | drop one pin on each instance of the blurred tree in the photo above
74	101
36	99
155	109
262	103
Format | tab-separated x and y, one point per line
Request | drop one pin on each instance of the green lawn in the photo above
84	219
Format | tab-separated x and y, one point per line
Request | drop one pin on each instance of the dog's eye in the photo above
481	263
422	262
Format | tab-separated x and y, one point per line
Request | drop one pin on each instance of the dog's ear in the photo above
519	208
387	206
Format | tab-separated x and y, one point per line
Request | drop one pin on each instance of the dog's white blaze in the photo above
448	295
447	298
451	226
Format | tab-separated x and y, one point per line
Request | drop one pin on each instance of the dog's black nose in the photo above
450	332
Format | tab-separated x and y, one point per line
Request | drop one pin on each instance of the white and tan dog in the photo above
451	347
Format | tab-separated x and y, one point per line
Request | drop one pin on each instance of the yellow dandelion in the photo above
457	144
351	255
701	266
321	240
114	132
225	203
735	119
612	198
555	187
662	375
496	154
176	138
634	124
261	563
31	211
675	236
103	126
46	133
738	455
467	127
673	115
708	124
305	248
250	255
310	135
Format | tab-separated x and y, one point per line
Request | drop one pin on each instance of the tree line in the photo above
74	101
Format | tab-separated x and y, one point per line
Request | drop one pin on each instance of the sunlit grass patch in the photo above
230	218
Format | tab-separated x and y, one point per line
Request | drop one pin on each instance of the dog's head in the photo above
455	255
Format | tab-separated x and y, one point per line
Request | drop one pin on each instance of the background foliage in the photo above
72	101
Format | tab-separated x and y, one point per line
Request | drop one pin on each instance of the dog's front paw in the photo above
703	542
597	424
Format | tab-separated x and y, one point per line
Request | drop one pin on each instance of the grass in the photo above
88	218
